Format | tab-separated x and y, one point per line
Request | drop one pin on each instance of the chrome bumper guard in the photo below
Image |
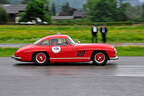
17	58
115	58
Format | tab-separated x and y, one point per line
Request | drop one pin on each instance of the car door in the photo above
60	50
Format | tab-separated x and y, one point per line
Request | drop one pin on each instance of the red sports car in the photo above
61	48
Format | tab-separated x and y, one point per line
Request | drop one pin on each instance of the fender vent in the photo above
80	53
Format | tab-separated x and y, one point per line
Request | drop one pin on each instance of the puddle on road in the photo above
74	69
130	71
64	69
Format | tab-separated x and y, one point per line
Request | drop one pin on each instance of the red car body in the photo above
67	52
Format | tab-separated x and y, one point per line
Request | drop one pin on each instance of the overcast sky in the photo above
141	0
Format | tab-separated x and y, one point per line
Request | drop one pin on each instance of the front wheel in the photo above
100	58
41	58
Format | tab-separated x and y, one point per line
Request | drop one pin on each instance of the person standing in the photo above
104	31
94	32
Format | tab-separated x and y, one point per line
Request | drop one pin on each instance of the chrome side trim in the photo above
115	58
17	58
72	58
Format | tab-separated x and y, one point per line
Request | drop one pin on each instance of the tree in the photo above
46	5
67	10
85	7
3	16
34	10
25	1
134	12
103	10
66	7
100	11
120	2
122	11
53	9
143	11
4	2
90	3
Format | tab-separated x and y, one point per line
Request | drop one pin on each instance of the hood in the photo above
25	47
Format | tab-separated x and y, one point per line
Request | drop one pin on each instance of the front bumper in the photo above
16	58
114	58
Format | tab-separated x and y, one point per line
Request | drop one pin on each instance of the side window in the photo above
45	42
58	42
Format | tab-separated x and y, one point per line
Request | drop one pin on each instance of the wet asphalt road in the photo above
114	44
124	77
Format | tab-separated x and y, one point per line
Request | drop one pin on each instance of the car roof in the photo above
56	36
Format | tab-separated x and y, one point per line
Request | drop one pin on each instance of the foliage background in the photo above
36	9
3	16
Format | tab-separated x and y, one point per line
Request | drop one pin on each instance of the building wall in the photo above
11	18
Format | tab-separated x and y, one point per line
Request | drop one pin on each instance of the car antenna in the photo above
58	33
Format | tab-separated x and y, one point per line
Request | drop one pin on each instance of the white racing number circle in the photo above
56	49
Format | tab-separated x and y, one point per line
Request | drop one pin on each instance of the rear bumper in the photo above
16	58
114	58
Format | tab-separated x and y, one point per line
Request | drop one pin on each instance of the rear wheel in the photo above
41	58
100	58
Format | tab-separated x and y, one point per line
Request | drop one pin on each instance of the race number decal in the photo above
56	49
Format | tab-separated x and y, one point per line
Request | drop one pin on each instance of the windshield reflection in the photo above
37	42
71	41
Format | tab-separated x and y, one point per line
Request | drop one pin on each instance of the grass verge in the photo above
7	52
130	51
31	33
122	51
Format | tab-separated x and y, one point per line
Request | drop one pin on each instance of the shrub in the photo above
3	16
87	22
35	9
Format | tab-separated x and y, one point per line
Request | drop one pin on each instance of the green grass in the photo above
7	52
31	33
122	51
130	51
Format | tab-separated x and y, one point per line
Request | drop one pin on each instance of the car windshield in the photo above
71	41
37	42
